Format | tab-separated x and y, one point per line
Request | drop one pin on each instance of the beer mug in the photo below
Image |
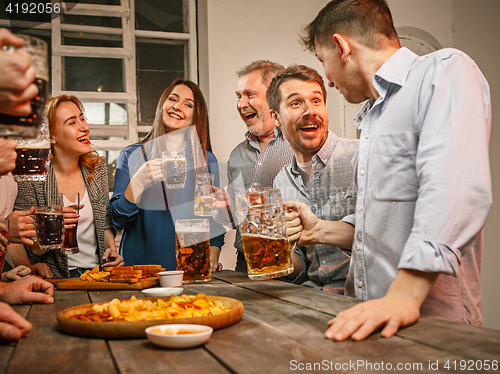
173	167
192	249
203	194
71	200
49	227
29	126
33	157
263	229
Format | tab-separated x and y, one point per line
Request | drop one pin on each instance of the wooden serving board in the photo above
78	284
121	330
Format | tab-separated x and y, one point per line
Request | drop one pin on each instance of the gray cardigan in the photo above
47	194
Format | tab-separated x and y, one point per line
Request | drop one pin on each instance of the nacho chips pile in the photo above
184	306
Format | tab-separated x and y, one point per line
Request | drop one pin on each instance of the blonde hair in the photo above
87	161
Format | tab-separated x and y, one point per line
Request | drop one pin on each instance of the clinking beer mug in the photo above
263	229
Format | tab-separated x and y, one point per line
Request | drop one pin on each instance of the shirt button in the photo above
363	172
360	284
360	208
367	135
358	247
323	262
260	163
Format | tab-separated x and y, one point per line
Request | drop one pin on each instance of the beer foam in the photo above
39	145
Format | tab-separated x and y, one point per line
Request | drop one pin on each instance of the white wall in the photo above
239	32
476	31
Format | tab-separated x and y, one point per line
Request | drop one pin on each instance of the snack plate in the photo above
136	329
71	284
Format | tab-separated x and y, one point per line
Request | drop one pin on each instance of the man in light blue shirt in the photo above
320	174
423	177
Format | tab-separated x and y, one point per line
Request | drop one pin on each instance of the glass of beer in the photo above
192	249
4	230
29	126
70	200
33	157
49	227
173	167
263	229
203	196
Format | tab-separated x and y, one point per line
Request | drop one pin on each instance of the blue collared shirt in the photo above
423	180
331	196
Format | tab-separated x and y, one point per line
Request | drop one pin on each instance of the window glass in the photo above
158	63
91	40
106	114
92	74
157	15
98	2
100	21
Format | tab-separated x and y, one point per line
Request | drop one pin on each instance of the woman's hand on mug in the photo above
221	198
147	173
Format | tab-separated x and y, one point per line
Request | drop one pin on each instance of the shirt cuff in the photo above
350	219
124	207
423	254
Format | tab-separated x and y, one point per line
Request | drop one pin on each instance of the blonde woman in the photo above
77	167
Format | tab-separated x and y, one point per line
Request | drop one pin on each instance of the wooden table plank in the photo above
307	327
7	349
458	338
142	356
48	350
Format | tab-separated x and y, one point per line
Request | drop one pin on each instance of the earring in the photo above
53	142
346	59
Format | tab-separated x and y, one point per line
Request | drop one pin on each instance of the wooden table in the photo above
282	331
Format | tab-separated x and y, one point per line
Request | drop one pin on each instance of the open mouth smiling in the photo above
83	139
175	116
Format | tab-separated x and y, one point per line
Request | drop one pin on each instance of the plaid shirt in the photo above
331	196
249	166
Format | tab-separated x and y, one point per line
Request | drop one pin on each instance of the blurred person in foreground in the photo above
75	166
16	89
422	171
257	159
141	204
320	174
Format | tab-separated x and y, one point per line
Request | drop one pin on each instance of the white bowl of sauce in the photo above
179	336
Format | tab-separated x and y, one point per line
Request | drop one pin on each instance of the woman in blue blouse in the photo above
141	205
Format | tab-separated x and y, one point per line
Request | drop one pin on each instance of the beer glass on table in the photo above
173	167
203	196
33	157
49	227
28	127
263	229
4	230
70	200
192	249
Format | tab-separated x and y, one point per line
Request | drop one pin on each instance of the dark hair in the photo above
368	21
87	161
300	72
200	115
268	69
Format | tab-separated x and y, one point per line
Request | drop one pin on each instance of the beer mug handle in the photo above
293	246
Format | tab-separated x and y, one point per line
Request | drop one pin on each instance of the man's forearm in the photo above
16	255
412	285
338	234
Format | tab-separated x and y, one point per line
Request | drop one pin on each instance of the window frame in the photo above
126	11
